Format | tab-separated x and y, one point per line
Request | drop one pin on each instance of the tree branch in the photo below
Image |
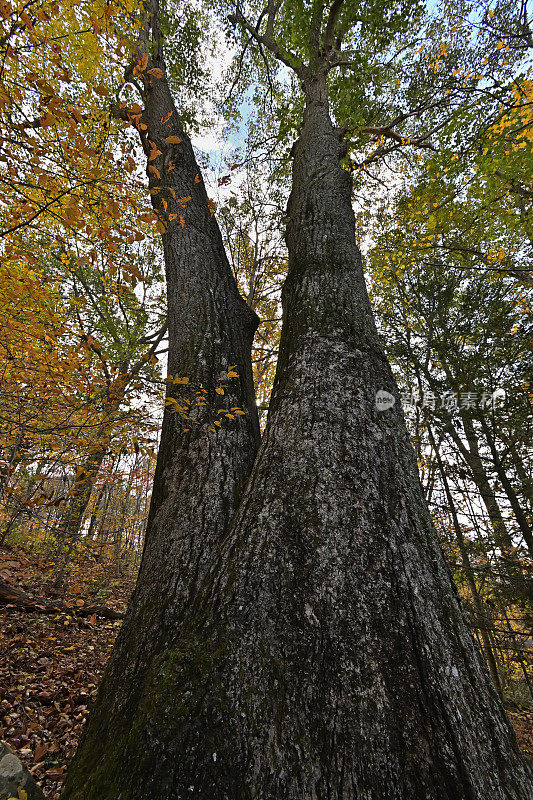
285	56
330	25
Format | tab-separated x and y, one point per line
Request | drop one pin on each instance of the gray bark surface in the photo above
326	654
200	475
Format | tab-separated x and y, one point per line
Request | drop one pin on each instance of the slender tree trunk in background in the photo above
515	573
474	461
94	515
200	475
526	480
472	457
69	528
517	656
11	522
9	468
101	533
80	494
100	504
481	622
327	655
514	502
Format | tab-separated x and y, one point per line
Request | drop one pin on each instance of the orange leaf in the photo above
141	66
156	72
95	24
166	118
173	139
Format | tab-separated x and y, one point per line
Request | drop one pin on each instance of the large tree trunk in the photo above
202	467
327	655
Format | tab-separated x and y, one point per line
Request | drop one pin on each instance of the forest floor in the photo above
50	664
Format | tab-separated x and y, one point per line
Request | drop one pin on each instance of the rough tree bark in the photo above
325	654
200	475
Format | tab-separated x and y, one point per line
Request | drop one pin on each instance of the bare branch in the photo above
285	56
147	356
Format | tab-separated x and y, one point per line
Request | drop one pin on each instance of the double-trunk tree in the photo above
314	646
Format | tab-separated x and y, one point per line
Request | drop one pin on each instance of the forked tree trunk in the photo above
327	656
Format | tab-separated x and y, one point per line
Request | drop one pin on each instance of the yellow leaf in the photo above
219	390
232	374
173	405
